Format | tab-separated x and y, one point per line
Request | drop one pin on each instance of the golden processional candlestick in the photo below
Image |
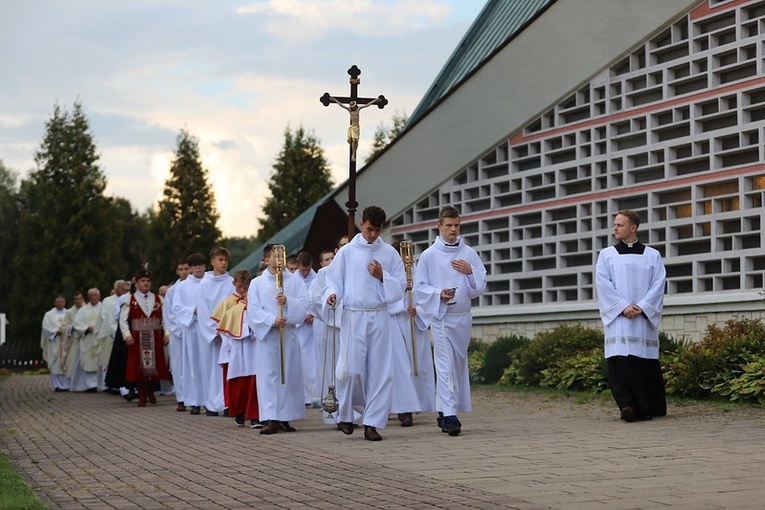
406	249
279	253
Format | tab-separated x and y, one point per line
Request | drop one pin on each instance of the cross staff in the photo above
355	105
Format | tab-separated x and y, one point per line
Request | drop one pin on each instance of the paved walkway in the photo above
518	451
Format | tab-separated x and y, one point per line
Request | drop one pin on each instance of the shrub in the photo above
584	371
710	366
548	347
475	366
498	356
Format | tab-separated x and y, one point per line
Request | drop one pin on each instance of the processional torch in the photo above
279	253
406	251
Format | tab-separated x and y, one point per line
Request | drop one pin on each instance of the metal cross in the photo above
354	105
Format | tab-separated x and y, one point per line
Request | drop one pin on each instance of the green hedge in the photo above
729	361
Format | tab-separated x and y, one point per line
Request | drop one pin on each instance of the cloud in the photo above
301	21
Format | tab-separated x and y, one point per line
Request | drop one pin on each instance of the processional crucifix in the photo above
355	105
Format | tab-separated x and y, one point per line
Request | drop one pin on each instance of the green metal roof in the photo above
498	22
292	237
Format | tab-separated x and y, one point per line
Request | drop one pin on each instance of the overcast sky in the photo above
235	74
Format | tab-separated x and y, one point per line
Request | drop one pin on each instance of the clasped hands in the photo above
632	311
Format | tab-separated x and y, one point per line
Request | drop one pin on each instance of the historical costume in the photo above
141	321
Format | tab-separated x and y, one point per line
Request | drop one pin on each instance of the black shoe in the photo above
225	413
628	414
57	390
345	427
287	427
256	424
440	421
452	425
211	413
239	420
91	390
195	410
130	395
405	419
371	434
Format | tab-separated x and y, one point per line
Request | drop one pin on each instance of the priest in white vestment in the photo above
107	328
448	276
629	278
86	363
51	342
279	402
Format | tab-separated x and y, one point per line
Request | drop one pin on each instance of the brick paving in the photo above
517	451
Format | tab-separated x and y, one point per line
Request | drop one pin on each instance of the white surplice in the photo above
309	351
364	365
175	346
52	344
451	325
194	351
214	289
86	366
277	401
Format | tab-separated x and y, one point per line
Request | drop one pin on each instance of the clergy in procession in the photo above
271	313
52	344
240	370
629	278
70	342
115	372
176	337
107	328
412	393
185	301
448	276
85	365
216	286
367	275
308	347
145	335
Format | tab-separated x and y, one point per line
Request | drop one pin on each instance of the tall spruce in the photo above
187	219
301	177
68	237
384	135
9	225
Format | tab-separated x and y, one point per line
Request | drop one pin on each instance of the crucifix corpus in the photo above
353	104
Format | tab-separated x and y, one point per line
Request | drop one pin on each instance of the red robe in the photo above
136	370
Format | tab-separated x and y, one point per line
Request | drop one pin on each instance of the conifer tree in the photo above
384	136
187	219
9	223
68	237
301	177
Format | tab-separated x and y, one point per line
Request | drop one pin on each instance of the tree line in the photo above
60	233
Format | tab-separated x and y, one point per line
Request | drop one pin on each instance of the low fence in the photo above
21	356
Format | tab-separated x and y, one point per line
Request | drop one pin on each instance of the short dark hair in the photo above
267	249
180	262
374	215
197	259
305	259
220	250
242	275
448	212
631	215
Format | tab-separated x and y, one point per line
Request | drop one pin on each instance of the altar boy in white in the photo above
448	277
278	402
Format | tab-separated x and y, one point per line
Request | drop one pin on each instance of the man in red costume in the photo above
144	333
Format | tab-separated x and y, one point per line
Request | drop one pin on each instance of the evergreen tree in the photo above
187	219
301	177
9	223
135	236
384	136
68	237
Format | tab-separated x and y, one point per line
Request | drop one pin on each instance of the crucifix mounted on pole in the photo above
354	105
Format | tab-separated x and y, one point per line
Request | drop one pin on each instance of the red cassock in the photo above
146	357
